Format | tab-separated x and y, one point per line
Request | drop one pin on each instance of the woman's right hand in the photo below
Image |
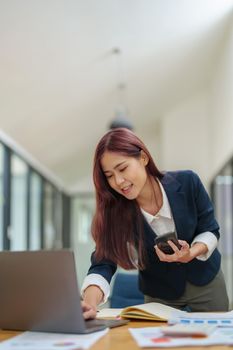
93	295
89	311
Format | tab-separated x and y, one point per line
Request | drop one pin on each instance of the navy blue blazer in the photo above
193	214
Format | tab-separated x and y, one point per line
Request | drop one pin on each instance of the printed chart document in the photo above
222	319
189	330
148	311
153	337
51	341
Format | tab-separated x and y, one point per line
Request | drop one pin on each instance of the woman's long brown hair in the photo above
118	222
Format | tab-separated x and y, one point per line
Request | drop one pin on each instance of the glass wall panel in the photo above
18	232
49	227
82	209
52	217
35	212
1	196
32	216
223	200
57	218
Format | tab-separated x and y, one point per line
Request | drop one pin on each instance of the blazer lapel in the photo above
177	203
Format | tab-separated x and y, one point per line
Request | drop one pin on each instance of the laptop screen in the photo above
39	291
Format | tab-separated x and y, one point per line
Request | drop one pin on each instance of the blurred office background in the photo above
69	68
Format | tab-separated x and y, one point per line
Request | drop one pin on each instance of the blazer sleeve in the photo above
104	267
205	212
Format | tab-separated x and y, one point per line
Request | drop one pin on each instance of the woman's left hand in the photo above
183	255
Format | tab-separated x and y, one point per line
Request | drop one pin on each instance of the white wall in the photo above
198	133
222	108
185	136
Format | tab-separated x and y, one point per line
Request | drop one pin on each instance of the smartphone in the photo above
161	242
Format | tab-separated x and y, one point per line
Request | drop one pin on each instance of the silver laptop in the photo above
39	292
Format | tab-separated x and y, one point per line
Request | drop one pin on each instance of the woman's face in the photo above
126	175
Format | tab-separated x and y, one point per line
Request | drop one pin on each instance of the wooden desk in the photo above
120	339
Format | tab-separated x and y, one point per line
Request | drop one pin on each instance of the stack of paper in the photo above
188	329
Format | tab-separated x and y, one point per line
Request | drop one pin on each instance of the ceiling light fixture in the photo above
121	118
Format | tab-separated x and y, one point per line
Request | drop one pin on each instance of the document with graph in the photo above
222	319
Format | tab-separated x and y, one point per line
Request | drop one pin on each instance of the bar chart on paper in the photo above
220	319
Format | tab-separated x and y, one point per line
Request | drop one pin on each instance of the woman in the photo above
135	203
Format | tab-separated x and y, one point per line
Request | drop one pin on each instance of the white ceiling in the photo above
59	76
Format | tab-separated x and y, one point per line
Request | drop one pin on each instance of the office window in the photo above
82	210
223	201
66	220
35	212
224	210
49	229
57	218
52	217
1	196
18	233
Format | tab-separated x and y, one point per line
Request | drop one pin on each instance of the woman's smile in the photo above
126	189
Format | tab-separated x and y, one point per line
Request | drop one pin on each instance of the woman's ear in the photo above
144	158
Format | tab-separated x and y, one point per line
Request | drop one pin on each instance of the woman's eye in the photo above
122	169
108	176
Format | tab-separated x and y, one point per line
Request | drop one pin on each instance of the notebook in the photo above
39	292
149	312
